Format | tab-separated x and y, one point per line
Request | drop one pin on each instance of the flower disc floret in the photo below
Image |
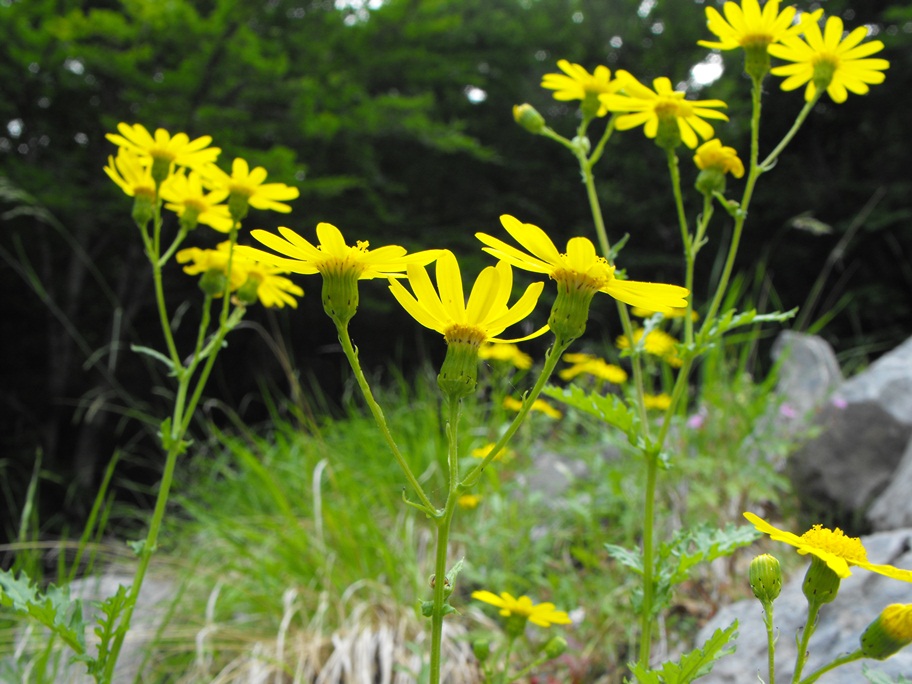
662	108
541	614
833	547
827	61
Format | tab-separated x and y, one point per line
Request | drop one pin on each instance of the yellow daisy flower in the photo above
580	267
332	256
827	61
131	175
673	313
658	343
540	405
833	547
658	402
469	501
508	353
578	84
746	26
541	614
246	186
663	107
184	195
483	451
486	314
714	155
592	365
163	150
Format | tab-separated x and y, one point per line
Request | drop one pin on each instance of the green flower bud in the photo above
890	632
555	647
528	117
765	578
213	282
821	584
482	649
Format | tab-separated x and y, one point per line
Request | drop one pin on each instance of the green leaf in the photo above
155	354
52	608
626	557
878	677
609	408
704	544
697	663
731	319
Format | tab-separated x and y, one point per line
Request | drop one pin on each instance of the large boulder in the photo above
893	508
861	435
861	598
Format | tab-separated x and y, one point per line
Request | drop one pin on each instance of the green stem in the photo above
646	618
552	356
770	641
802	115
842	660
809	627
352	355
443	534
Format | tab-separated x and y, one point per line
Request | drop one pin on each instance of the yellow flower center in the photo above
465	334
196	205
837	543
582	282
162	153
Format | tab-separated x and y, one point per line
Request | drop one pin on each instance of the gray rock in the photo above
893	508
862	434
808	371
861	598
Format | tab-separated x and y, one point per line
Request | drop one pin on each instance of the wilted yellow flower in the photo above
664	113
540	405
508	353
541	614
578	84
833	547
826	61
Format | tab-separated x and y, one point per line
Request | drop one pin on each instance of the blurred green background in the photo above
394	119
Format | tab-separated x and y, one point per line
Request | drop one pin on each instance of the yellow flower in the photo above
469	501
890	632
658	343
594	366
746	26
713	155
540	405
246	186
163	150
484	317
332	256
542	614
483	451
833	547
578	84
659	402
663	110
580	267
184	195
258	281
508	353
671	313
130	174
826	61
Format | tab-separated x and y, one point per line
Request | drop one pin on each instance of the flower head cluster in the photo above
826	61
664	113
588	364
833	547
576	83
249	279
541	614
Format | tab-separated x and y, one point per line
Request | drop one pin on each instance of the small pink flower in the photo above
839	403
788	411
697	420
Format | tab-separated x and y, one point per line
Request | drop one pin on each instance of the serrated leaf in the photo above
878	677
609	408
626	557
53	608
732	319
690	666
704	544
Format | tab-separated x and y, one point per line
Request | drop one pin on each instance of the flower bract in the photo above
663	107
580	265
833	547
827	61
541	614
445	309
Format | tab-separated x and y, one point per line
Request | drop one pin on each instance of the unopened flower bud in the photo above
821	584
528	117
555	647
890	632
765	578
213	282
482	649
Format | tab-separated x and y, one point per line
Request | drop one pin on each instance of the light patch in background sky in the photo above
708	71
645	8
360	9
474	94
